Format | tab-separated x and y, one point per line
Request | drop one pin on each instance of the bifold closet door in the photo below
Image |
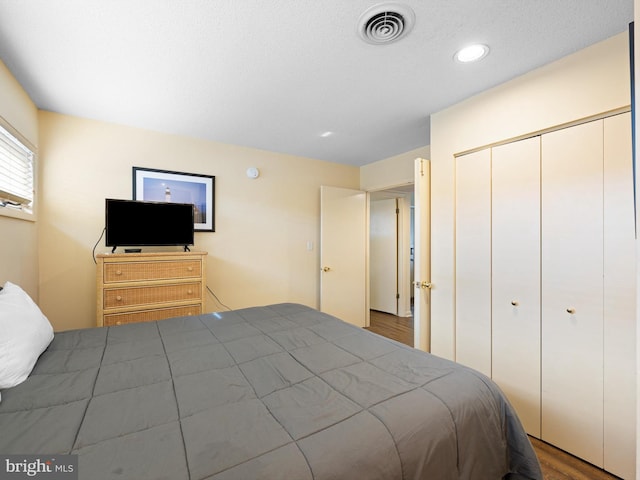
619	299
516	276
572	290
473	260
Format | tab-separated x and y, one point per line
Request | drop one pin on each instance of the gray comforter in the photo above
275	392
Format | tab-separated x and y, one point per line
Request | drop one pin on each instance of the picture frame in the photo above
153	185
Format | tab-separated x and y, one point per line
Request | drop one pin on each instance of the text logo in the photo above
50	467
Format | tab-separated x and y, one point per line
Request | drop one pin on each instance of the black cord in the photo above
94	247
217	299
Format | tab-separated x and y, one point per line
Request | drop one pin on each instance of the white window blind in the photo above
16	172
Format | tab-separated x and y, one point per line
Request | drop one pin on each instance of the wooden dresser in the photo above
142	287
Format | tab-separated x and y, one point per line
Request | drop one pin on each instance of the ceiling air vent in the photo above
385	23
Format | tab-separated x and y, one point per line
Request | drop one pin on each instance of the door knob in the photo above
422	284
326	269
514	303
571	310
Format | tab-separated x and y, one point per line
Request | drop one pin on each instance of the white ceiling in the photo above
275	74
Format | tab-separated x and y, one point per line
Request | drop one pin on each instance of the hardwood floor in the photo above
399	329
556	464
559	465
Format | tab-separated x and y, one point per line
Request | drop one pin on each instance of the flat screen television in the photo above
136	223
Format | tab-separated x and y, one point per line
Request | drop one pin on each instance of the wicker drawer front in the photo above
139	271
144	287
150	315
124	297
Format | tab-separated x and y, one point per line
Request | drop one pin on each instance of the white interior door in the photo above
343	240
515	258
422	256
572	290
383	255
473	260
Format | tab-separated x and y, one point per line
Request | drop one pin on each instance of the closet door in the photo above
516	276
473	260
572	290
619	299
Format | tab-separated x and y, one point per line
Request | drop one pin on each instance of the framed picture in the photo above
166	186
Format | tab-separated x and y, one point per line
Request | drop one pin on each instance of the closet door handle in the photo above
571	310
515	303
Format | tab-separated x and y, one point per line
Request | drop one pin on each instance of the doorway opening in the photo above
391	262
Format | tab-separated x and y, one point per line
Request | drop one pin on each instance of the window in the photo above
16	174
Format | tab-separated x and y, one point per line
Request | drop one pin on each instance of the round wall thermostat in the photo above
253	172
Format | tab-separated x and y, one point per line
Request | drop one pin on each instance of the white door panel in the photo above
516	276
343	254
620	299
572	285
473	260
422	256
383	255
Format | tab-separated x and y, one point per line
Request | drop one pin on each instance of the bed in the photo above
275	392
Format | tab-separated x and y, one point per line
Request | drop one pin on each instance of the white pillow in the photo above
24	334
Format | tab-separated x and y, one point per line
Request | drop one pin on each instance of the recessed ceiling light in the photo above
472	53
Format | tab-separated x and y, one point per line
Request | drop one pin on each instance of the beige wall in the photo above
16	107
392	171
18	237
257	255
586	83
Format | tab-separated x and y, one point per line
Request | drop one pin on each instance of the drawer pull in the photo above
119	298
118	322
190	269
118	272
189	292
